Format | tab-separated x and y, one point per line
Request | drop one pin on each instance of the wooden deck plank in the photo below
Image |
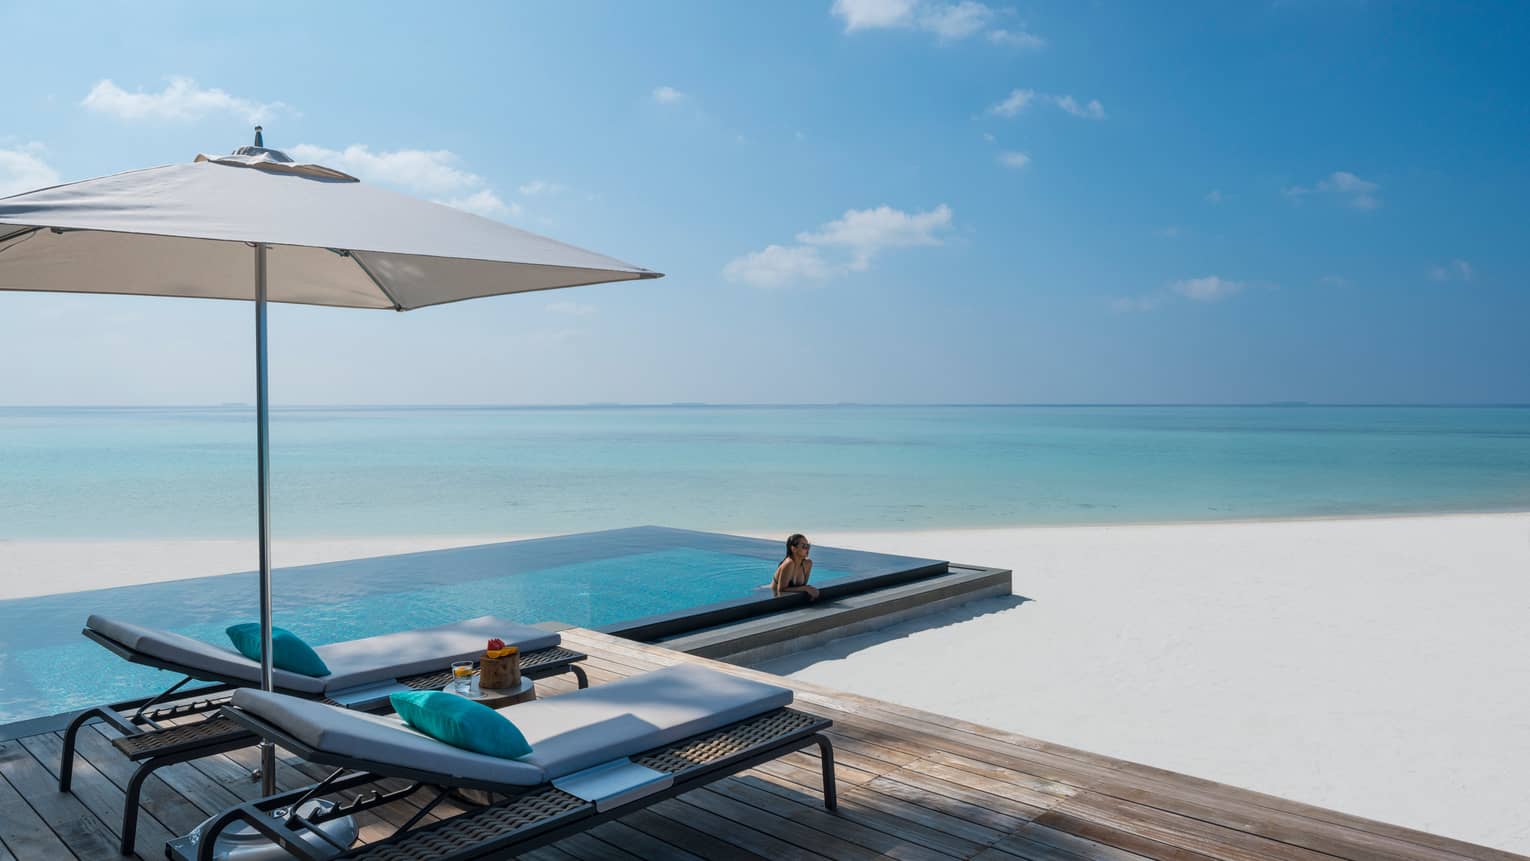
912	785
641	843
79	828
24	832
97	793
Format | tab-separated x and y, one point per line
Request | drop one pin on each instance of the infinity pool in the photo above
592	579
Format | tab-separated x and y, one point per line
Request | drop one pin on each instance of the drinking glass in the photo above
462	676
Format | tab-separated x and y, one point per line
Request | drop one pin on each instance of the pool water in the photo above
589	580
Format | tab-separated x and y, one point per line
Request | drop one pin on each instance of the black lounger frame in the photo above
141	716
269	815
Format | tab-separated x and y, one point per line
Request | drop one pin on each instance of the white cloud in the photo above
1014	159
1170	232
540	186
1019	99
949	22
954	20
483	202
1344	186
988	136
667	95
1017	39
846	244
1093	110
1455	270
867	231
779	266
1334	281
1013	103
434	173
22	168
1214	196
578	309
874	14
181	99
1208	289
424	171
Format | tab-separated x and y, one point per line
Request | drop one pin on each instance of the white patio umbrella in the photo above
255	225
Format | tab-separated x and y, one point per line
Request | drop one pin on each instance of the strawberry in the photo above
496	644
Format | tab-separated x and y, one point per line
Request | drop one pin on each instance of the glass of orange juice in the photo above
462	676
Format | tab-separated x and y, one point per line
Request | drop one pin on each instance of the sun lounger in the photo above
596	754
363	672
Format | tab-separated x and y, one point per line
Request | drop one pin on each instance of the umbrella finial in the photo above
259	141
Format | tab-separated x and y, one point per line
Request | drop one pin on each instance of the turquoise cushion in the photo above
460	722
288	651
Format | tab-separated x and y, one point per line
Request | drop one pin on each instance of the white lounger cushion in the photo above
408	653
379	738
567	733
578	730
351	663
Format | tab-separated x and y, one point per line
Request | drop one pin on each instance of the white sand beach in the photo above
1377	666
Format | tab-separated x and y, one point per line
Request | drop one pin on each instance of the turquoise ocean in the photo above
114	473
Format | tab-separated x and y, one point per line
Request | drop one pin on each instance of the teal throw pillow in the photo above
460	722
288	651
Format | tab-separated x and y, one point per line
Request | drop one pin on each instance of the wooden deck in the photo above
913	785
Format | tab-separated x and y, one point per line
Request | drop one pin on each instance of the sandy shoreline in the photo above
1375	665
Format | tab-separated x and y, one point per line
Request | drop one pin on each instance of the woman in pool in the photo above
793	572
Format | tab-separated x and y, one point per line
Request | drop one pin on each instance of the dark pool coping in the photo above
648	629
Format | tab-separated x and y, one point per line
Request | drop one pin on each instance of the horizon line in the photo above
234	405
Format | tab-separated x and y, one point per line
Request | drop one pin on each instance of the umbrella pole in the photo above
263	503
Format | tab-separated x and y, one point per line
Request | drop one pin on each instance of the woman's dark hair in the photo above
795	539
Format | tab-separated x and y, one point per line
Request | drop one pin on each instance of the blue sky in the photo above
863	200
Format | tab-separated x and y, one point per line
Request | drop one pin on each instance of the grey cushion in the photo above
197	655
567	733
584	728
351	663
381	739
407	653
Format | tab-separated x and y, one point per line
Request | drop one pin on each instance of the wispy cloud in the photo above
181	99
484	202
1014	159
1210	288
847	244
874	14
1016	39
1091	110
1334	281
426	171
948	22
1455	270
1343	186
780	266
1013	103
667	95
1207	289
954	20
578	309
1214	196
1019	99
22	168
1171	231
437	174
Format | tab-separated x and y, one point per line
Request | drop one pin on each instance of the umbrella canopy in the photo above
256	225
184	230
